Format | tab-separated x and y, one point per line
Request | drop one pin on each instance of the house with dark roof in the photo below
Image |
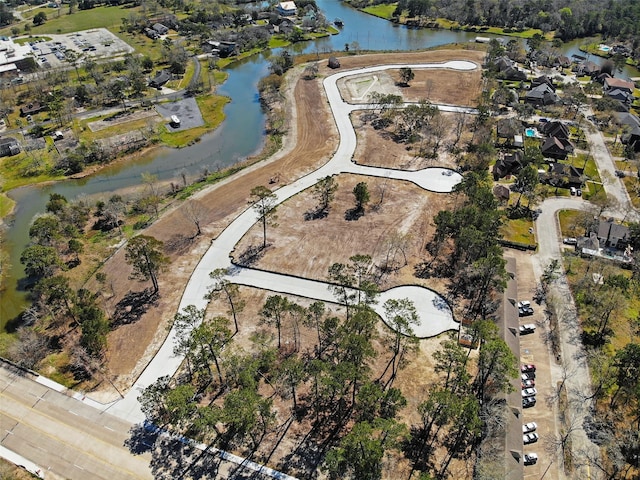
554	129
622	96
631	124
501	192
619	84
508	69
508	164
9	146
32	108
563	61
162	77
160	29
543	80
563	175
558	148
613	235
541	95
151	33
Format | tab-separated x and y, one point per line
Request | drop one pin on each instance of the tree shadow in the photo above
133	306
178	243
353	214
141	439
316	214
252	254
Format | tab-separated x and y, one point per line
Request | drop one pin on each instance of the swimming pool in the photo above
604	48
530	132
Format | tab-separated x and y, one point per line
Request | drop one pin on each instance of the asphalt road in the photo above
62	435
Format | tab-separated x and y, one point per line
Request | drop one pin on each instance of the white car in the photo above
530	458
524	304
528	328
529	392
530	438
570	241
529	427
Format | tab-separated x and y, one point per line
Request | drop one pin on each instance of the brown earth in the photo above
310	141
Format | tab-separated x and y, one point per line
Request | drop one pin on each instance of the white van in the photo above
175	121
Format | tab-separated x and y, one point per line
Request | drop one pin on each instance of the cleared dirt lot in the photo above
311	141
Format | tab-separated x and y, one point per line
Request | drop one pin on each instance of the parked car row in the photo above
528	382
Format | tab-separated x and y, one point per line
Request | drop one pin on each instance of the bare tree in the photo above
224	287
195	211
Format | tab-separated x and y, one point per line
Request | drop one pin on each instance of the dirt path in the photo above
311	140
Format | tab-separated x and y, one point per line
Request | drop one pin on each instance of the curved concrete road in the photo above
435	314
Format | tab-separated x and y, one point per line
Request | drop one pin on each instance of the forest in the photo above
569	19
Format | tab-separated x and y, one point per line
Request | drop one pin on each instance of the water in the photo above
240	135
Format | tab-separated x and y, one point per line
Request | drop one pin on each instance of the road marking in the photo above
73	413
109	428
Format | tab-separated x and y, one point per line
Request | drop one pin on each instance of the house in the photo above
227	48
558	148
631	124
543	80
507	165
287	9
31	109
622	96
162	77
565	175
601	77
284	26
9	146
563	61
554	129
152	34
508	69
160	29
501	192
617	83
588	68
541	95
613	235
333	62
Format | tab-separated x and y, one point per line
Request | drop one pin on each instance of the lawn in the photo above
632	185
517	230
6	205
81	20
382	10
569	220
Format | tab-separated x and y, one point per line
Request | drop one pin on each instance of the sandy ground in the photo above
310	141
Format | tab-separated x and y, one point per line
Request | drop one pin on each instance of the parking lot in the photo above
97	43
186	110
533	350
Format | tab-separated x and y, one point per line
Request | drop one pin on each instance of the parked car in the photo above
528	328
530	458
579	192
528	383
529	392
528	402
570	241
524	303
528	376
620	174
525	311
573	190
530	438
529	427
527	367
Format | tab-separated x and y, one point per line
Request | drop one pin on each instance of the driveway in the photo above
573	359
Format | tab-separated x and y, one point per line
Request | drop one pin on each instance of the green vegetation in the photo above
6	205
104	16
31	38
212	109
517	230
381	10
